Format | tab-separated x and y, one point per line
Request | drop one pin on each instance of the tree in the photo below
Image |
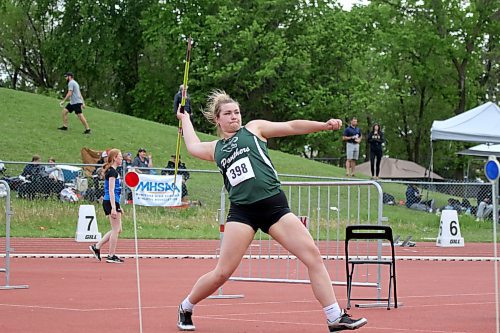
26	52
465	29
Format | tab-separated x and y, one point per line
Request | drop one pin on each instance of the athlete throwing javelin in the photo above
257	201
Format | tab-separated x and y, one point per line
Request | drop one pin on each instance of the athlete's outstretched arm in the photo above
201	150
267	129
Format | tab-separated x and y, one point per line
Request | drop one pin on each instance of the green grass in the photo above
28	125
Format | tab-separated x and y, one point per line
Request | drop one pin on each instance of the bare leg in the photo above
103	240
294	237
65	117
237	238
116	229
83	120
347	168
353	167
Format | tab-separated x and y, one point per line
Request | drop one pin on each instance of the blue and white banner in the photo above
155	190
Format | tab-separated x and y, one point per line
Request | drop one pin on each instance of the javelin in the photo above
183	103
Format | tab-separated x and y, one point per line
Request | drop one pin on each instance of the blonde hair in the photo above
215	100
110	159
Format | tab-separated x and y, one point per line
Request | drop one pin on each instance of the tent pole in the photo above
432	161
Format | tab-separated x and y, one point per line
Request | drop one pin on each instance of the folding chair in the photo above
370	232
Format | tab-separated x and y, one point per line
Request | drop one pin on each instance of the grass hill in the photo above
28	125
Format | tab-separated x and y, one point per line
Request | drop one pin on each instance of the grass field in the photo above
28	125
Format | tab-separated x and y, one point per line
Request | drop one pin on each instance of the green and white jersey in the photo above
249	175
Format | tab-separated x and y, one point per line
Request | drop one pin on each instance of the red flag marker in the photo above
132	179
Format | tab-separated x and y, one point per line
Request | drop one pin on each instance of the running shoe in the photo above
185	323
114	260
345	322
95	251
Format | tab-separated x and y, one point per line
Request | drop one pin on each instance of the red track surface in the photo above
83	295
56	246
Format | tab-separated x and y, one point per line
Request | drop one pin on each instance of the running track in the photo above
442	290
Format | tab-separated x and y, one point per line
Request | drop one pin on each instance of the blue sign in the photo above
492	169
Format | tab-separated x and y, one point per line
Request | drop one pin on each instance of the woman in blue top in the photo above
111	205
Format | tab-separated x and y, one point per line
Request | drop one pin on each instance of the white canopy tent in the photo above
481	124
483	150
479	152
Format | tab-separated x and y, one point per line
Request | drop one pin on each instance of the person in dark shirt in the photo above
414	200
352	135
111	206
181	171
376	139
141	161
178	100
32	168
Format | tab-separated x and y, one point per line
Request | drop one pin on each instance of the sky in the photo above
347	4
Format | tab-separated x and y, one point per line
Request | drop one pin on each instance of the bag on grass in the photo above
3	191
388	199
68	195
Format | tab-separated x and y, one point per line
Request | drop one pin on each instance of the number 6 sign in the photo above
449	230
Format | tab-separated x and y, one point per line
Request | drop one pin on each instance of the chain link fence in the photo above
474	199
44	193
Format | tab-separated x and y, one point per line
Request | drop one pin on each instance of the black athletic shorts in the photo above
74	107
261	214
106	205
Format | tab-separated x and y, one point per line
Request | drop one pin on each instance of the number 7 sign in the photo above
87	229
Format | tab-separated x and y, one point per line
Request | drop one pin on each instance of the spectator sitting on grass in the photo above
53	171
484	209
32	168
414	200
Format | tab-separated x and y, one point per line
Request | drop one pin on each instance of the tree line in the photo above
399	63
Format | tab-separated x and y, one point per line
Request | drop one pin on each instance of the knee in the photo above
221	275
117	230
313	258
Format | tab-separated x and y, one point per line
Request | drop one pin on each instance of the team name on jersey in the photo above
236	153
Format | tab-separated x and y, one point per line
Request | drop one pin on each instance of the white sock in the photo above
187	305
332	312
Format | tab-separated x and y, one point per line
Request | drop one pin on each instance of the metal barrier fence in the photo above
45	200
325	209
5	192
45	209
